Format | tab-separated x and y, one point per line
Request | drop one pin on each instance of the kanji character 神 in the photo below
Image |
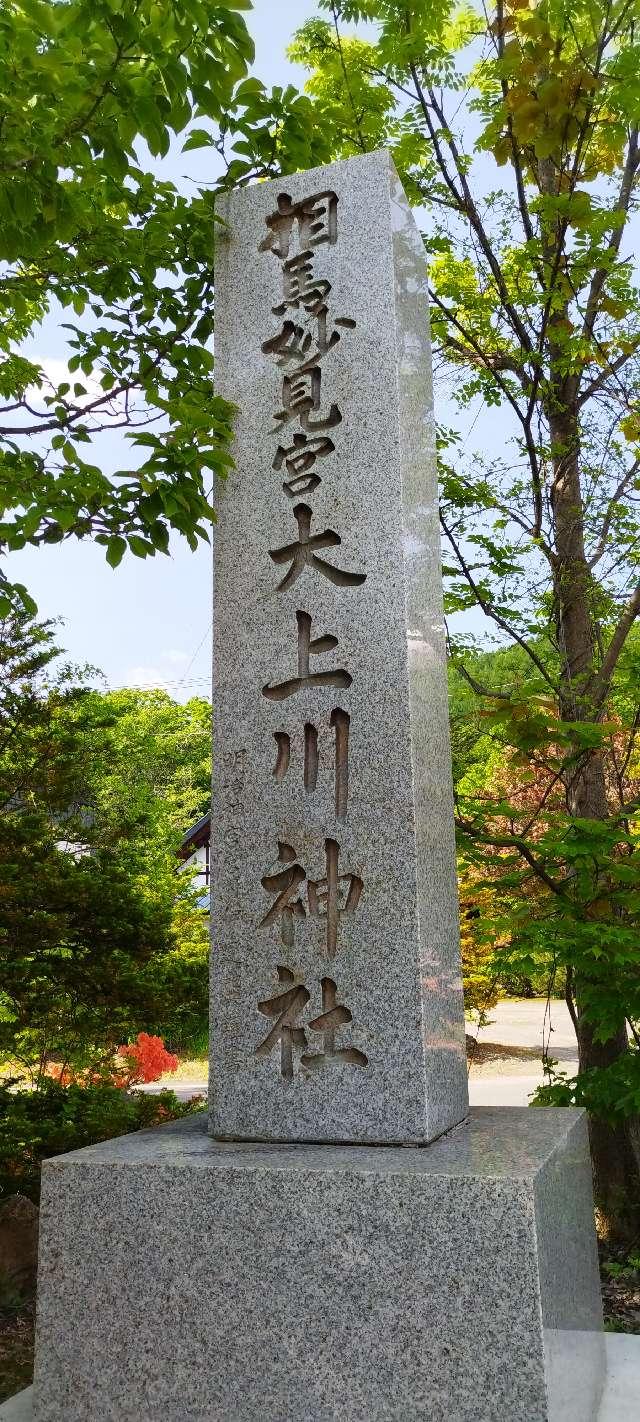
302	554
286	1008
308	647
299	460
332	1017
328	900
317	219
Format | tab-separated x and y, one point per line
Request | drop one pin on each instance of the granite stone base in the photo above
196	1281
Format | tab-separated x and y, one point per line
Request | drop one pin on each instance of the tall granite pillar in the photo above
344	1241
336	1000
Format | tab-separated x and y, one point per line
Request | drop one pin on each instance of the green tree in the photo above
92	94
100	935
515	130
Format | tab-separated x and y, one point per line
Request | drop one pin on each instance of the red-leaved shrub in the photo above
146	1059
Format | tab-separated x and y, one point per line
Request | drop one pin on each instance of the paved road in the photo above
506	1076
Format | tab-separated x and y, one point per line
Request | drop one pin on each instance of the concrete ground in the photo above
505	1068
621	1400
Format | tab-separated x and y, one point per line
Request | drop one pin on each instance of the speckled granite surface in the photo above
333	860
196	1281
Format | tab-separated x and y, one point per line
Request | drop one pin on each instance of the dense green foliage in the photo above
92	95
100	935
35	1125
515	130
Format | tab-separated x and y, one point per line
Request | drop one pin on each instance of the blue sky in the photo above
147	623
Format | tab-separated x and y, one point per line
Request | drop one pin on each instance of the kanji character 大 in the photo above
303	554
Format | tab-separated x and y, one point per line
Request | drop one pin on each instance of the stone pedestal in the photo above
198	1281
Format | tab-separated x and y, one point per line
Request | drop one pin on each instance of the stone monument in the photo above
346	1241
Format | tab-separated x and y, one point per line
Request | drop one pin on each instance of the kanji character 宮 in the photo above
299	460
308	647
294	343
302	554
317	219
285	885
301	395
332	1017
300	287
286	1008
328	900
339	721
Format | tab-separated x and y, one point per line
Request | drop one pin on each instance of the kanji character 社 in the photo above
286	1008
332	1017
317	219
301	395
328	900
308	647
299	460
302	554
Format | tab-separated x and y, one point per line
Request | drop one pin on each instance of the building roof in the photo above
196	836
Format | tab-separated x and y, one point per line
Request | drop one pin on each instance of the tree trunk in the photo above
615	1152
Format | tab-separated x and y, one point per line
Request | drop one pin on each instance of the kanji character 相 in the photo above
317	219
303	554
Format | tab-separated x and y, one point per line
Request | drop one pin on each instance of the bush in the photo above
54	1119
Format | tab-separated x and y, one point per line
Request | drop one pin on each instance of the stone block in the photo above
199	1281
335	974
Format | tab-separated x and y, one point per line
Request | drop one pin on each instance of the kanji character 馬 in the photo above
300	287
299	459
334	895
332	1018
303	554
286	1007
316	217
308	647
